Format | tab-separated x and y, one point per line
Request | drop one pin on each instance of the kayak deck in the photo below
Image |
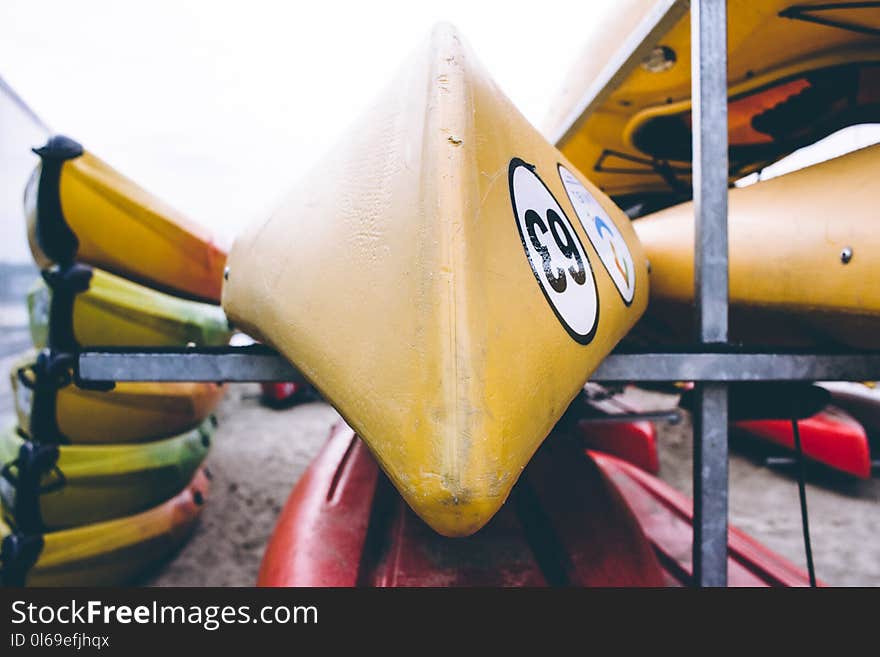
572	520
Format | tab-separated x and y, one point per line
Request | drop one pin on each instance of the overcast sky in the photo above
219	106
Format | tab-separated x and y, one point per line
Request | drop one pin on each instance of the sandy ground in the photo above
844	513
259	454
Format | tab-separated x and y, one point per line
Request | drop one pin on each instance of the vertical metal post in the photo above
709	94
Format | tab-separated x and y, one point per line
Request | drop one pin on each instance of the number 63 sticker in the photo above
555	252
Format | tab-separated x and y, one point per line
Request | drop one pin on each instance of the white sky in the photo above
219	106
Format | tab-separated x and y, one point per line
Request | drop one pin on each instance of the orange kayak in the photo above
79	209
110	553
51	408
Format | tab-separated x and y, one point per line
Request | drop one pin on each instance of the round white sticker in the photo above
603	235
555	253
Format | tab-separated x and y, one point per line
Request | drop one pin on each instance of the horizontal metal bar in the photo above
738	366
234	365
240	364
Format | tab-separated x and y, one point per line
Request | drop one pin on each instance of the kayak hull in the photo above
831	437
463	245
88	484
115	552
80	209
115	312
599	430
633	442
859	400
344	501
781	232
666	517
791	82
574	519
129	413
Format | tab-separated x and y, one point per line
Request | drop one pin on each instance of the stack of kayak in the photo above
452	286
802	246
449	280
99	483
797	72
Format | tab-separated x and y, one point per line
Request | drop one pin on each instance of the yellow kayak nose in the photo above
79	209
442	279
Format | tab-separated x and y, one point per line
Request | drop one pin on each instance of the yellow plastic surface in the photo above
130	413
126	230
102	482
764	48
786	236
114	552
115	312
396	278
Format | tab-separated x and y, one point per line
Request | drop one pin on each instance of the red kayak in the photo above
832	437
861	400
633	442
284	394
598	423
278	392
573	519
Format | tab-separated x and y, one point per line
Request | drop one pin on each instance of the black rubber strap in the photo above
18	554
51	372
54	236
802	496
25	476
65	284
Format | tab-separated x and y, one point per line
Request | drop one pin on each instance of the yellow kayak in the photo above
796	72
110	553
130	413
79	209
93	308
47	486
802	247
451	287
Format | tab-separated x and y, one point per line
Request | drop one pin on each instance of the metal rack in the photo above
712	364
